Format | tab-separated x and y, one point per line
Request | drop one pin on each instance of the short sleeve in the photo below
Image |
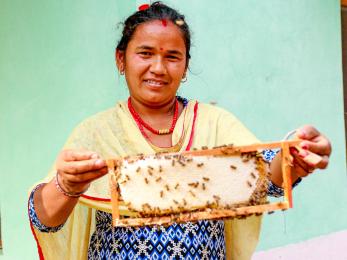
33	216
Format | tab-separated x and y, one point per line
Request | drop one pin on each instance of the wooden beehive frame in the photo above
119	210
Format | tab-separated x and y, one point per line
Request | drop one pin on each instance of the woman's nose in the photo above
158	66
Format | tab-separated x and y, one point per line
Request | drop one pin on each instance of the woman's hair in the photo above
156	11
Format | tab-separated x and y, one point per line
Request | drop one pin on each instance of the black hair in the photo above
156	11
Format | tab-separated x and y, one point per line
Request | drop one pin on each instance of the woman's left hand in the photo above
313	142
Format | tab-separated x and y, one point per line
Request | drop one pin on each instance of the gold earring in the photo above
121	72
184	79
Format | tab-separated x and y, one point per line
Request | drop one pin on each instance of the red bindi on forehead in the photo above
164	22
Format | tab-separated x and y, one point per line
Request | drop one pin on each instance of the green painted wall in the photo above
275	64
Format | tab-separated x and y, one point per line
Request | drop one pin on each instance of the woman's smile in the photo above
155	83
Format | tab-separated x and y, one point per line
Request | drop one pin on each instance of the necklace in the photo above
142	123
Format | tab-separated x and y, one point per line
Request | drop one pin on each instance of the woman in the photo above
68	210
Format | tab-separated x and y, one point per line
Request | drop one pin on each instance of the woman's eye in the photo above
145	53
171	57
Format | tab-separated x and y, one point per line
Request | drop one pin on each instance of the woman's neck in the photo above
146	110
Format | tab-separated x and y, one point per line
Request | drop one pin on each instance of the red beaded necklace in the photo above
140	123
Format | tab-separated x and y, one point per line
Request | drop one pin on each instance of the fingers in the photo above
77	167
80	182
303	164
319	145
85	177
322	164
77	155
300	170
316	149
307	132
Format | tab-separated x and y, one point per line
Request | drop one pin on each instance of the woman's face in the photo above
154	62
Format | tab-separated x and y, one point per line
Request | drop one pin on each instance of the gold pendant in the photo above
164	131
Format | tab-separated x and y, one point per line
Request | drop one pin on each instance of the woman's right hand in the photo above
78	168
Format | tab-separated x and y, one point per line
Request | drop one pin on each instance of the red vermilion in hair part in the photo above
143	7
164	22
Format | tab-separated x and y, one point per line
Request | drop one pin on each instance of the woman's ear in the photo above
185	73
120	61
187	67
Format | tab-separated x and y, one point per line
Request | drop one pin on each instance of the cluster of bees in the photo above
153	175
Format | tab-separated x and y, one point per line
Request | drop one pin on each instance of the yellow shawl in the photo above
114	133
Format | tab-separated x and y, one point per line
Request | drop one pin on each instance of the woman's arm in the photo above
76	169
313	142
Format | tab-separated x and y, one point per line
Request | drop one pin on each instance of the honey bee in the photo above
192	193
253	175
193	184
146	205
175	201
204	147
216	197
200	164
146	180
203	186
174	218
180	208
173	162
176	186
249	184
233	167
167	187
160	168
138	169
158	179
158	210
205	178
161	194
